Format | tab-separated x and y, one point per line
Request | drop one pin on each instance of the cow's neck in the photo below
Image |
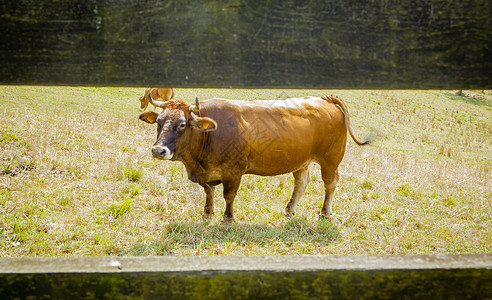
192	156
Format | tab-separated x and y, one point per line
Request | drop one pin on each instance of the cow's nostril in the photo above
157	151
161	152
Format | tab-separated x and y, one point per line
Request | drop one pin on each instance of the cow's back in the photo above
165	94
276	136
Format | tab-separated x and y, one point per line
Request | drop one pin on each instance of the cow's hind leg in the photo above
301	179
330	179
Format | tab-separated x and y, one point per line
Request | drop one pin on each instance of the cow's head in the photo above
144	100
175	126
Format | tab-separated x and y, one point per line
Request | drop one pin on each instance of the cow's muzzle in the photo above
161	152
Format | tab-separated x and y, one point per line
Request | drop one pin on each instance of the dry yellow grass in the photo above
77	178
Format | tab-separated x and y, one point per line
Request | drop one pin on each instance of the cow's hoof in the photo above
206	219
289	214
324	218
207	216
227	220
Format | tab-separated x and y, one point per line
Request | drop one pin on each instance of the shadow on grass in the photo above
210	239
468	99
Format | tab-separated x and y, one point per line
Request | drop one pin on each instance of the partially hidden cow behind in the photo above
160	94
220	140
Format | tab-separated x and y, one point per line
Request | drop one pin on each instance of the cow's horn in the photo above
195	107
155	102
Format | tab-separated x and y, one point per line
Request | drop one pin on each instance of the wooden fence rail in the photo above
219	277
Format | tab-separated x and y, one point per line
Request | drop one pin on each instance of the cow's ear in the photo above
148	116
204	124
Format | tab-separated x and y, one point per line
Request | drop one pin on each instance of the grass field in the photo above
77	178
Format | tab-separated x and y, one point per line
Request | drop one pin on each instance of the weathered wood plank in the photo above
281	277
288	44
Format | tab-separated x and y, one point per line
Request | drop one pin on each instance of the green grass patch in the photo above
9	137
132	174
404	190
120	208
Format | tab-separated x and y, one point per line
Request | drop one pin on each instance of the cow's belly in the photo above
271	163
258	170
283	151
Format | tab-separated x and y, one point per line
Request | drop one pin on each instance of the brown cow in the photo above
161	94
225	139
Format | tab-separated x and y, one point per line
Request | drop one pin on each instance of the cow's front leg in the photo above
208	210
230	191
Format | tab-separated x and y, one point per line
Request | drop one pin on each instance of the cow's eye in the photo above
181	126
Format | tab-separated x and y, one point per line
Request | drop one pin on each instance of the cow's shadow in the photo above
297	235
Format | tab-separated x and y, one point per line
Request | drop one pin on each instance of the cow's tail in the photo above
335	100
173	95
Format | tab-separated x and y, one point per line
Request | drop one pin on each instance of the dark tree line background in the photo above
222	43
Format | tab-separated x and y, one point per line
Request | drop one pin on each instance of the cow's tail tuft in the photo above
336	100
